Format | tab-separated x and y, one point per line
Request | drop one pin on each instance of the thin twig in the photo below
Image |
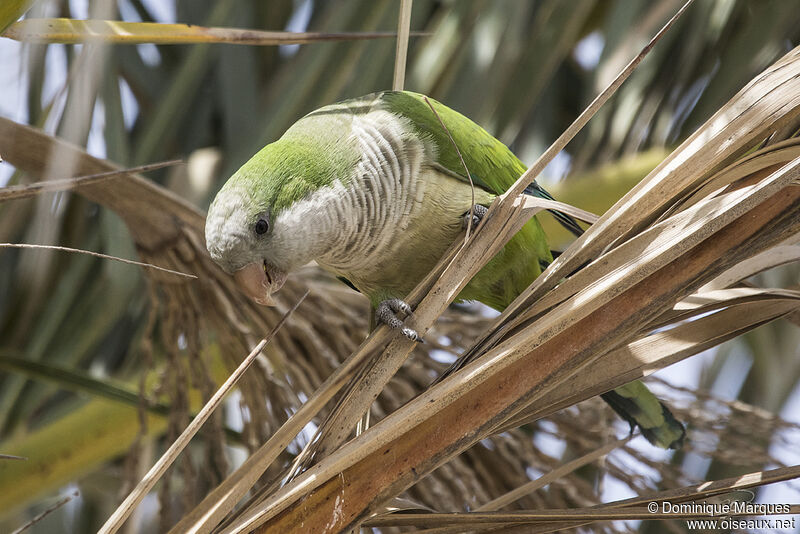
65	184
157	471
11	457
466	170
403	30
47	512
97	255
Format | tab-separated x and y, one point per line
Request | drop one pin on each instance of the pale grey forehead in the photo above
229	230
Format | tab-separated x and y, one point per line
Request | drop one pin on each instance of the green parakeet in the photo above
374	191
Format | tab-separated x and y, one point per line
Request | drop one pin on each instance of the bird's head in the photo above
269	217
242	237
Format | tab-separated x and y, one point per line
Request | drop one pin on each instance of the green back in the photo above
491	164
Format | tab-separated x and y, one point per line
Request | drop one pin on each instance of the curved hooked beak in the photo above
259	281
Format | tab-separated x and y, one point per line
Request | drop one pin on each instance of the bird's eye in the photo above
262	226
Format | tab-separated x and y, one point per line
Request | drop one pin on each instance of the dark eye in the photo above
262	226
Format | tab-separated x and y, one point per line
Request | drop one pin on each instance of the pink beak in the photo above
259	281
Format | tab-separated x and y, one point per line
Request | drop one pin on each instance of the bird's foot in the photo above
385	313
478	212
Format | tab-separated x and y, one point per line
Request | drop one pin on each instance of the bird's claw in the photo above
478	212
412	334
385	313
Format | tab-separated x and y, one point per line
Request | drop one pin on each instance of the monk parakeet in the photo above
373	190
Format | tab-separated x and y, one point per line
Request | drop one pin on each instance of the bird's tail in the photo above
639	407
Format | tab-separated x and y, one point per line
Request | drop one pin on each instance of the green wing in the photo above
491	164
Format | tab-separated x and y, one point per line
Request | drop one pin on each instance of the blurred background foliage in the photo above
521	68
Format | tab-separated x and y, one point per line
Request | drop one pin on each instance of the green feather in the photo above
491	164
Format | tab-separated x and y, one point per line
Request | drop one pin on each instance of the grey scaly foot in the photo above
385	313
478	213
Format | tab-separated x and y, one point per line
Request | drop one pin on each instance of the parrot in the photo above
373	189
